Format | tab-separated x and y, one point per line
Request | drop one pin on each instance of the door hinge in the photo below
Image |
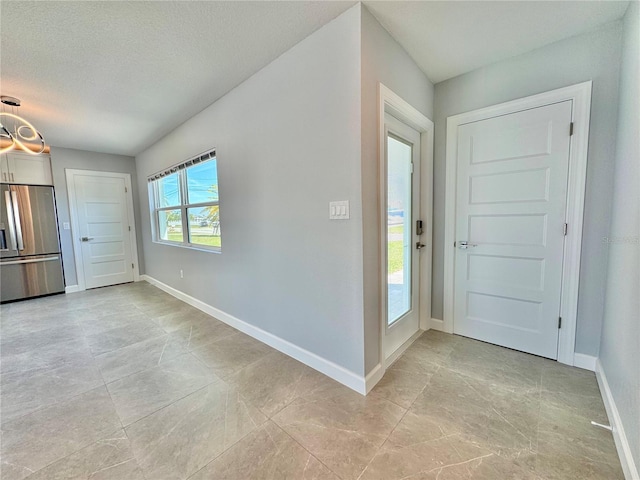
559	322
565	229
125	190
130	228
132	266
411	167
571	129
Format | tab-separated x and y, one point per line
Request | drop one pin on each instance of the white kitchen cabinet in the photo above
28	169
4	169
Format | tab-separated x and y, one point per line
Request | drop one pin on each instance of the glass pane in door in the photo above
399	216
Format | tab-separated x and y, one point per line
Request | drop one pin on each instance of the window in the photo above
185	204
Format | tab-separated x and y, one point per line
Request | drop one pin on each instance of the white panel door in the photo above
103	228
510	217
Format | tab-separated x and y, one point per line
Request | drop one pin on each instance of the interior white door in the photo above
511	195
103	229
402	159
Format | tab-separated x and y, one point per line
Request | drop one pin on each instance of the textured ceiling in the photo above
115	76
447	39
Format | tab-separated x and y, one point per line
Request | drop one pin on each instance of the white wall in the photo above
620	346
385	61
63	158
288	142
592	56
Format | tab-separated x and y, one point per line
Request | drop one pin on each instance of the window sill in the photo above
217	250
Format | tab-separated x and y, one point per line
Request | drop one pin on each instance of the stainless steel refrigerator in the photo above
30	258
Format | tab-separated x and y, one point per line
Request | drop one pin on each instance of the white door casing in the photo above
391	103
404	311
511	209
470	261
103	228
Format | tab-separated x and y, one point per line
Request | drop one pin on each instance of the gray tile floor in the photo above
127	382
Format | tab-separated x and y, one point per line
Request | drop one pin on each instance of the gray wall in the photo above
288	142
63	158
383	60
592	56
620	347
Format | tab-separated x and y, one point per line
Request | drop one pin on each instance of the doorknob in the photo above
86	239
463	245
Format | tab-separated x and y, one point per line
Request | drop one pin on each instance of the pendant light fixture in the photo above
16	132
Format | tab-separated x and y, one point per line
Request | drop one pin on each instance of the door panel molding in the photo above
580	95
391	103
75	225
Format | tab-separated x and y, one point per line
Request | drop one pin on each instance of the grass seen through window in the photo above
395	251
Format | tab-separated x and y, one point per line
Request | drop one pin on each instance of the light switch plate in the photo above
339	210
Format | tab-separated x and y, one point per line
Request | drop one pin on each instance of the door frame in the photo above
391	103
75	224
580	94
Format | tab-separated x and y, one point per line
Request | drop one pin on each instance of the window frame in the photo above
184	206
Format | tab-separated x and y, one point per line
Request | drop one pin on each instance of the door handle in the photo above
36	260
12	227
420	245
464	245
16	214
86	239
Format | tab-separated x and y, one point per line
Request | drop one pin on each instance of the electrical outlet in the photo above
181	274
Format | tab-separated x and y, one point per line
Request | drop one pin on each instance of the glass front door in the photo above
402	178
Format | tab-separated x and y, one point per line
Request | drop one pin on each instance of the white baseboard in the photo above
437	324
622	444
374	376
330	369
72	288
587	362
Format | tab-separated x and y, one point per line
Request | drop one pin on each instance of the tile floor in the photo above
128	383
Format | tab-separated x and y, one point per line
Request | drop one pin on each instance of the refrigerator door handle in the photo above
12	228
34	260
14	198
